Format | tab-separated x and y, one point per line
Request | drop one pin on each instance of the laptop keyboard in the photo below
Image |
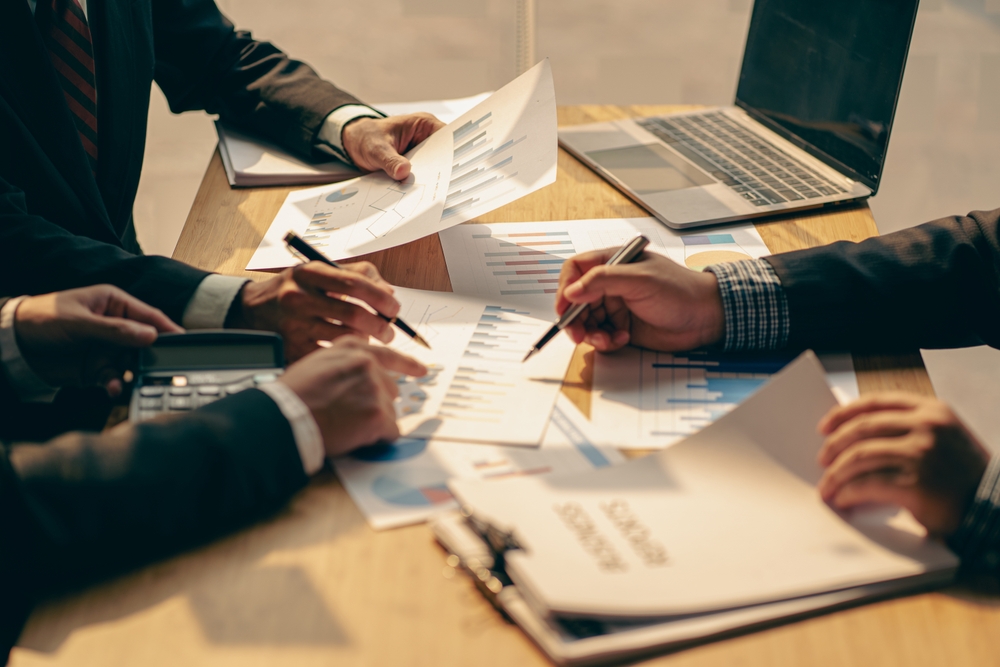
759	171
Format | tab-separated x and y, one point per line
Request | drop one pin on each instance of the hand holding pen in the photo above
652	302
624	255
296	243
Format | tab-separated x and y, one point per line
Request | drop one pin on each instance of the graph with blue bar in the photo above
657	398
701	250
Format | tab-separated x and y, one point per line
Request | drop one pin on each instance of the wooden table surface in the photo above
315	585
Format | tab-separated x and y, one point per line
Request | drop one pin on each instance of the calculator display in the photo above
196	357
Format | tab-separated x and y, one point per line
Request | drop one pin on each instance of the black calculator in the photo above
182	372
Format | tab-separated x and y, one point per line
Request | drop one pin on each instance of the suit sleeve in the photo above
933	286
202	62
38	256
8	395
85	506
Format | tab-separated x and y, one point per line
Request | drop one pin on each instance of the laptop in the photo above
810	126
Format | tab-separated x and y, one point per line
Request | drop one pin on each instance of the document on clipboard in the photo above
720	532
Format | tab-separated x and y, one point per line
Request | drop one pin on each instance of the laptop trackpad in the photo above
650	168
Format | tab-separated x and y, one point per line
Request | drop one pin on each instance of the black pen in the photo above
296	242
626	254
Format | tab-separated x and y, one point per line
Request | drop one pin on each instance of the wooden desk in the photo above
316	586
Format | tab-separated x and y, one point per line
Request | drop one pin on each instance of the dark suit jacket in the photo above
932	286
59	226
87	505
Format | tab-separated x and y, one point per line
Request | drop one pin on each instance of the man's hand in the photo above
379	143
305	305
653	303
350	389
904	450
82	337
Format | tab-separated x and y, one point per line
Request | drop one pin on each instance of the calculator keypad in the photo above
165	394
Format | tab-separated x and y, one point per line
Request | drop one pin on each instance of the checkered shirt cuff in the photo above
754	304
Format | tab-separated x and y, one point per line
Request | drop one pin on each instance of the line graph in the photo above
396	205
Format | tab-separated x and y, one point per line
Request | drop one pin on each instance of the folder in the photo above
722	533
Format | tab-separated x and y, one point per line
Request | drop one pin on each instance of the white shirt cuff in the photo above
305	430
330	134
208	307
26	383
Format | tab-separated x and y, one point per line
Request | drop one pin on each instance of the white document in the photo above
613	642
250	161
728	519
406	482
641	399
650	400
521	261
478	389
501	150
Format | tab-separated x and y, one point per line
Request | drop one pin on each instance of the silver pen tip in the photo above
528	356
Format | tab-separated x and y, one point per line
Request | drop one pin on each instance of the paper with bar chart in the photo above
477	389
520	261
499	151
406	482
649	400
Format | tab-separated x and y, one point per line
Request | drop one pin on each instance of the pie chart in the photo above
700	260
412	488
342	195
404	448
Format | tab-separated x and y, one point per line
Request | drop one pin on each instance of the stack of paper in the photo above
480	411
641	399
407	482
253	162
721	531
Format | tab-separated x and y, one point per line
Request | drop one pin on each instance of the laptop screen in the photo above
826	75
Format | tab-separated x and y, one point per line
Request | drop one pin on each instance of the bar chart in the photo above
477	380
482	170
406	481
649	400
486	382
701	250
521	261
654	399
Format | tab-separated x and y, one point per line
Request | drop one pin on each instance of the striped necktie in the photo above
71	49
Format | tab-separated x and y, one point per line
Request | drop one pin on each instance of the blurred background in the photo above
944	154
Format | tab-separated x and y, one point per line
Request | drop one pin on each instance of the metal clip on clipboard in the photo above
478	548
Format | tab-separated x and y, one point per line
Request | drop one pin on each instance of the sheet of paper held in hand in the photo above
641	399
730	517
406	482
253	162
501	150
477	389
